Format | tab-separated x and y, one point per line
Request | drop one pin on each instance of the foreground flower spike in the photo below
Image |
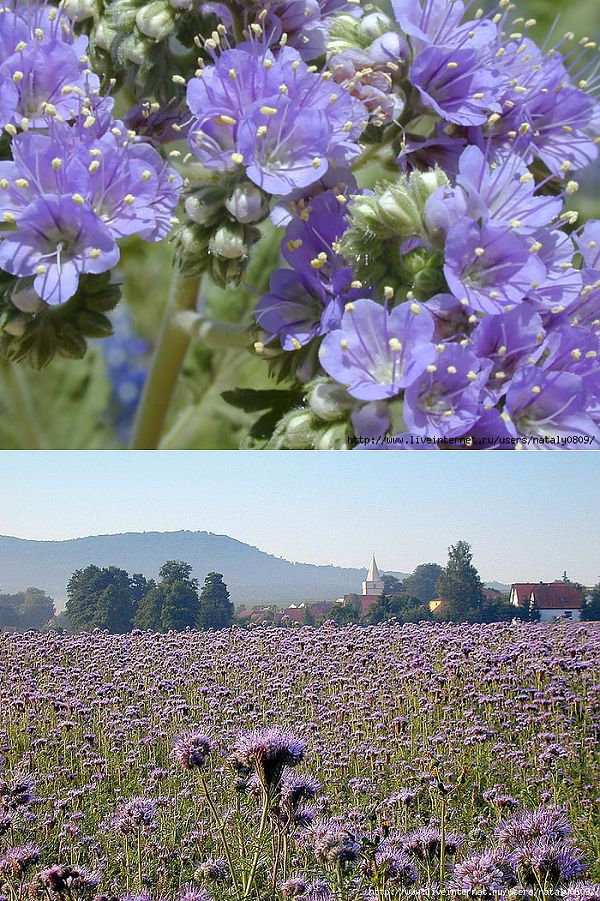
267	752
191	750
424	160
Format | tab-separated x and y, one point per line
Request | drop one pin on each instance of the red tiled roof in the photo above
558	595
523	590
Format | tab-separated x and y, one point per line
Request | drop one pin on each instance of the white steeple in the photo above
373	585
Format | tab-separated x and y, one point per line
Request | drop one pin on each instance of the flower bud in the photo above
134	50
26	300
344	34
16	325
247	204
155	20
104	35
389	47
333	438
374	25
202	208
301	430
80	10
329	401
228	241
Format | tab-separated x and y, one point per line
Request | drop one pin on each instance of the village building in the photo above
555	600
372	588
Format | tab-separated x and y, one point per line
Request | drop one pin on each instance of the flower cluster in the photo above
76	183
421	157
487	326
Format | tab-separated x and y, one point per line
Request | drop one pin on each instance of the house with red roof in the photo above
555	600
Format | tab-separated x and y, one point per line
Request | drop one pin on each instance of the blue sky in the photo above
527	515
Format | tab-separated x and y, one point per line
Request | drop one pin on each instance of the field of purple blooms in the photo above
355	764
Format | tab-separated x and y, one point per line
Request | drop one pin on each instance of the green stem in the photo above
259	841
23	407
168	359
213	332
219	825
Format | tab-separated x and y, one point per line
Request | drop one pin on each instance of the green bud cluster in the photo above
302	430
220	229
348	33
150	42
322	424
33	331
381	222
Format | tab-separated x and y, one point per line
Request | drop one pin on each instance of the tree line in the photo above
29	609
109	598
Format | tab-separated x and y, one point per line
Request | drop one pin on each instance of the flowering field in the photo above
348	763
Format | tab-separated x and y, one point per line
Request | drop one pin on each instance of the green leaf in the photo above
252	401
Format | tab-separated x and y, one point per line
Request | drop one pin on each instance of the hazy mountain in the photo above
252	575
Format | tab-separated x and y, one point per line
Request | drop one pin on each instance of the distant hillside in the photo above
252	575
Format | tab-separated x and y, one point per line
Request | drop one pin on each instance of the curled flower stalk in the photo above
379	201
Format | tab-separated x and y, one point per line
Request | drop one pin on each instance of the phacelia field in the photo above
355	764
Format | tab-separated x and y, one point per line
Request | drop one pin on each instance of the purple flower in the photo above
550	405
503	194
446	399
267	752
135	814
482	875
376	352
274	116
191	749
489	266
510	340
453	84
297	308
58	239
43	70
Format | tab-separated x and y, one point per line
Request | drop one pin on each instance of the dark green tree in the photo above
180	607
82	592
216	610
422	584
402	607
139	586
10	617
100	598
459	586
348	612
391	584
591	606
149	609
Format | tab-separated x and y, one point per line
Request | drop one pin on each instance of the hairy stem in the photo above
168	359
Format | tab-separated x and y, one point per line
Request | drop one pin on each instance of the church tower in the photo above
372	587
